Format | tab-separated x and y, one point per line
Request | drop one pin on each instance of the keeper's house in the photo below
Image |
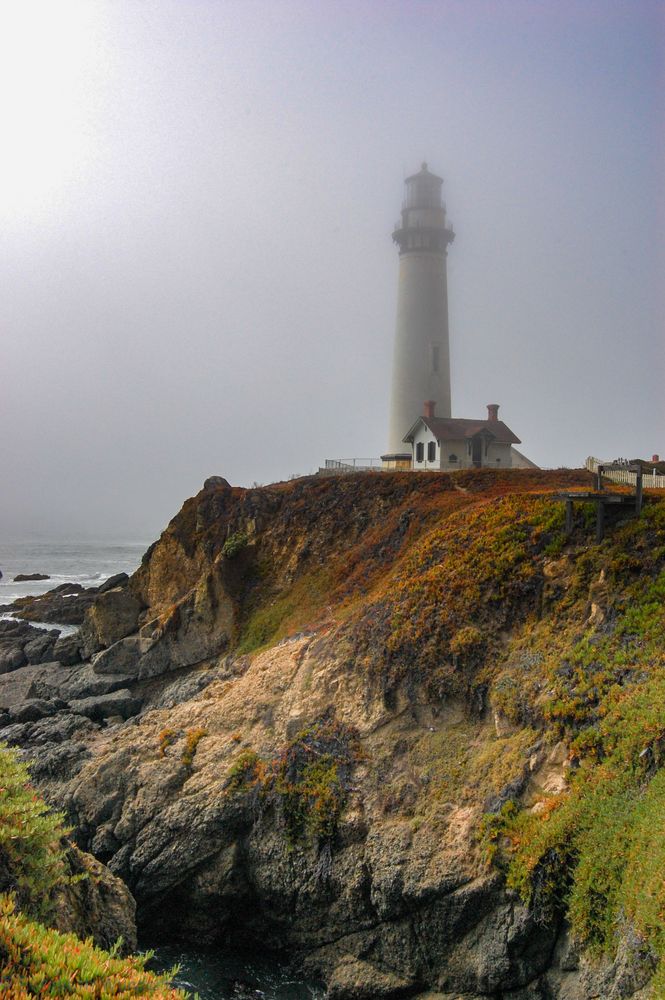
447	443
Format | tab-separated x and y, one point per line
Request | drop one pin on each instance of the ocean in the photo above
87	563
226	976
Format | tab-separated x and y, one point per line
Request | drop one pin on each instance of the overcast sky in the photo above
196	268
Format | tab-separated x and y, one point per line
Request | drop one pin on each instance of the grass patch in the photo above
307	783
192	739
466	763
598	851
286	614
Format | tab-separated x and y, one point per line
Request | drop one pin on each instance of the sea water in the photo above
87	563
214	976
229	976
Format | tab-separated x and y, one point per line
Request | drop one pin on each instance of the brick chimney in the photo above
428	412
492	411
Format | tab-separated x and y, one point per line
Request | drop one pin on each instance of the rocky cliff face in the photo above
297	722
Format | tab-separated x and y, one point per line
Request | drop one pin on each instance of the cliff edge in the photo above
398	725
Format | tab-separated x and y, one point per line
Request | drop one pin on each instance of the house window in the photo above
452	458
431	451
435	358
420	451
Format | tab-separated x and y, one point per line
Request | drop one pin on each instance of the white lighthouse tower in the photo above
421	360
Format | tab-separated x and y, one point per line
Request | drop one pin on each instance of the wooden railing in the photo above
611	471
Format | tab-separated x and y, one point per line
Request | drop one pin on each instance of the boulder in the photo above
11	658
32	710
101	706
355	979
55	681
27	577
16	686
54	730
215	482
85	683
119	580
67	650
21	643
40	649
64	605
114	615
122	657
12	628
95	903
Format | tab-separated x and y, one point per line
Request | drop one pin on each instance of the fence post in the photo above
600	520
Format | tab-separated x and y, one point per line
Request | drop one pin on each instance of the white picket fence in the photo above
650	480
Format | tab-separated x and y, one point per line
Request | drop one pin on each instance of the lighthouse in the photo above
421	359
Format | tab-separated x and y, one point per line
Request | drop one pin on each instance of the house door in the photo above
477	451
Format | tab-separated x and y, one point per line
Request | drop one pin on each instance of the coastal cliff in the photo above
399	726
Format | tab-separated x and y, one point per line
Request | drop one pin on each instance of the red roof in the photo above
452	429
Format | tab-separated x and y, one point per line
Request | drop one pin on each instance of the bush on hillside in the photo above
35	960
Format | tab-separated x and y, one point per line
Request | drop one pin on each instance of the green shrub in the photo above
192	739
34	960
307	783
31	839
37	962
234	544
166	738
247	770
598	850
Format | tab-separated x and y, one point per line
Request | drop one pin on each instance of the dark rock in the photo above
101	706
187	687
64	605
58	762
85	683
16	686
26	577
67	650
122	657
215	482
16	734
72	683
21	643
11	659
14	628
59	729
32	710
94	903
40	649
119	580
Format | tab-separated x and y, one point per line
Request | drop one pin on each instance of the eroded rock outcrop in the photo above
296	717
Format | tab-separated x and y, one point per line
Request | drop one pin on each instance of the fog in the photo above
196	267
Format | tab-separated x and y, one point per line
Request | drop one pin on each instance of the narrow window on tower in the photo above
435	357
431	451
420	451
